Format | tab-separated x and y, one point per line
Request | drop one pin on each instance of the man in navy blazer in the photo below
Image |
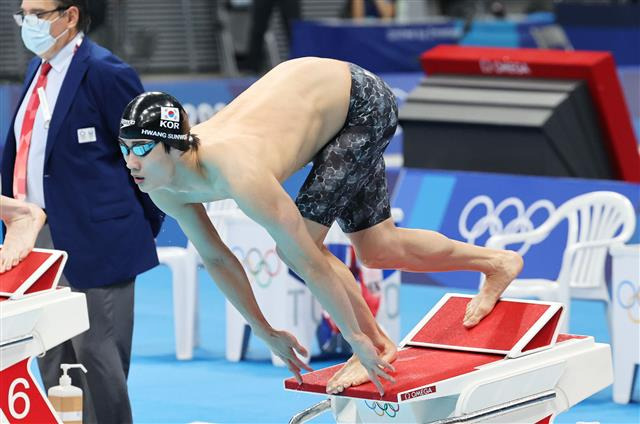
75	172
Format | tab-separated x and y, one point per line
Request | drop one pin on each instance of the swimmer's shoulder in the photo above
227	151
219	161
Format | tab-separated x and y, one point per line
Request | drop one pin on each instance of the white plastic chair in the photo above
183	263
596	221
183	268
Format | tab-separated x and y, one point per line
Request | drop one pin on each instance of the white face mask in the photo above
36	34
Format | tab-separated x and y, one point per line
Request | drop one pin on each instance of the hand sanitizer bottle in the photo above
67	399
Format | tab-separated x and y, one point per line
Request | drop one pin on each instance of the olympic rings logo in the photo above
492	221
388	409
261	267
628	297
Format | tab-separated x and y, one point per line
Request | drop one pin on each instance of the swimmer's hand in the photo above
22	230
285	346
375	366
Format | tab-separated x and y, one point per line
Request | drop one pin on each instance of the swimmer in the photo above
340	117
23	221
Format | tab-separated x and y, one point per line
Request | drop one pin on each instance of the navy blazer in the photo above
95	211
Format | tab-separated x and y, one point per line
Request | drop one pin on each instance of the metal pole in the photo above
310	413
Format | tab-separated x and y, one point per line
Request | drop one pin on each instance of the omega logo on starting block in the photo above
417	393
504	67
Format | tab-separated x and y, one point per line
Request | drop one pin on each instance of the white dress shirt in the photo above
35	162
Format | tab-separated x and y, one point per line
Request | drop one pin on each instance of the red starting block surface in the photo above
513	328
441	348
415	367
39	271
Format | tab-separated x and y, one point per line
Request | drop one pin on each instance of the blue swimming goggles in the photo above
139	150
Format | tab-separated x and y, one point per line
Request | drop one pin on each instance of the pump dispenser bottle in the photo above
67	399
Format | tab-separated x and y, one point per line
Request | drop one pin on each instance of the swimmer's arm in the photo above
220	262
264	200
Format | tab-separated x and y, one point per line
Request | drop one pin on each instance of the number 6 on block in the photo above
22	401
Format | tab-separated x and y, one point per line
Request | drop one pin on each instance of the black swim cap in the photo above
157	116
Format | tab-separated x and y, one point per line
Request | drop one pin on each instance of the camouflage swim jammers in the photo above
347	182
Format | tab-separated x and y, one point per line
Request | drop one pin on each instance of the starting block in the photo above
512	367
35	315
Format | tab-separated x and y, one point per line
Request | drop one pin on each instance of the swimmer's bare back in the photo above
284	118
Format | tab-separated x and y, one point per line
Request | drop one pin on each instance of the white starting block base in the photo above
285	300
447	385
35	315
32	325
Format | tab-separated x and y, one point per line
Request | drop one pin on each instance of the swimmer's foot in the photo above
22	231
507	265
353	373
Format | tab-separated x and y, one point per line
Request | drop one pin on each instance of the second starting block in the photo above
512	367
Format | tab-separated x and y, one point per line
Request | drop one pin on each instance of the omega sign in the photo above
504	67
418	393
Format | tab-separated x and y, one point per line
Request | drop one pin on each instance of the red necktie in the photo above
20	167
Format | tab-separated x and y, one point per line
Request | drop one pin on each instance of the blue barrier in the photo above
611	27
379	46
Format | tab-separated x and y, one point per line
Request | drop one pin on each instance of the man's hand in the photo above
23	221
369	359
283	345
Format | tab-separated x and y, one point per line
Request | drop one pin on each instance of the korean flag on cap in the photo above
170	114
